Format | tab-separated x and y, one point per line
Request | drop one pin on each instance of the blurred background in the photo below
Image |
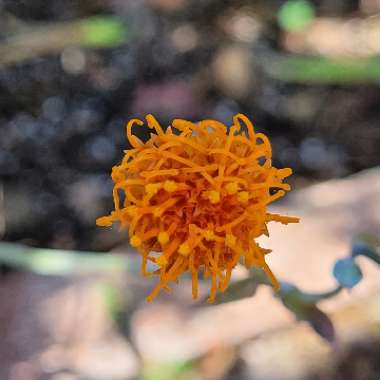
72	73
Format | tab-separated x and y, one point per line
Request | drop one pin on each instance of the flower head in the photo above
195	197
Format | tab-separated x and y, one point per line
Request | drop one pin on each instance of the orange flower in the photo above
194	197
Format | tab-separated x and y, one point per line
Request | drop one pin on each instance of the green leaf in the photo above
168	371
303	306
243	288
321	323
295	15
293	299
103	31
237	291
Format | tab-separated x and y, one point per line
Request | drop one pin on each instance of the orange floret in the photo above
197	193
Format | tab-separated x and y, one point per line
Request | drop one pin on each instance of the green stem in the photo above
360	248
96	32
61	262
316	297
321	70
